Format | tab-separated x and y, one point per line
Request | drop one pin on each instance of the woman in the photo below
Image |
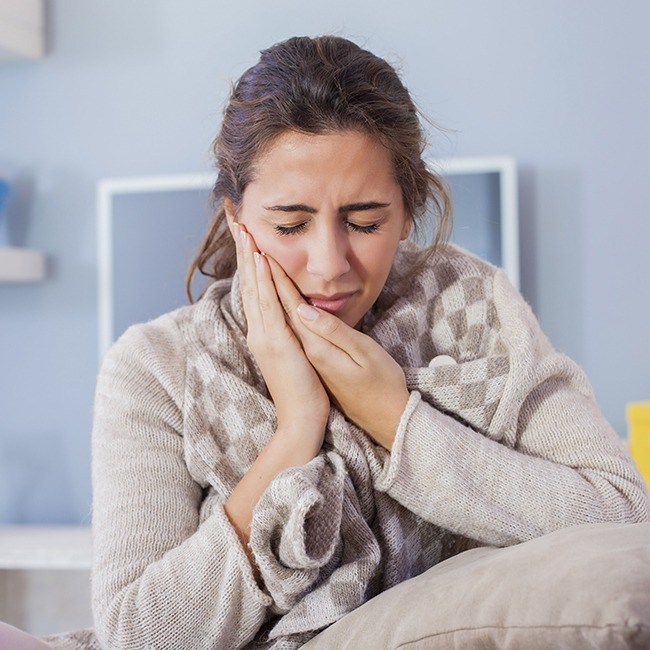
341	410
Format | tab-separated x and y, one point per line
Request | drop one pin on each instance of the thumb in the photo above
331	328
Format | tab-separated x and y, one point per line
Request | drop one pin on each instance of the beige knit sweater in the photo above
503	444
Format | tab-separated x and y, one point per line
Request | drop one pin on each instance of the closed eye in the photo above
301	227
367	229
290	230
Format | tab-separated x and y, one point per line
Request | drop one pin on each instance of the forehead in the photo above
345	160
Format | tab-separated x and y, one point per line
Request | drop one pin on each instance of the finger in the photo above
334	330
247	275
316	347
312	337
314	343
271	311
287	292
288	295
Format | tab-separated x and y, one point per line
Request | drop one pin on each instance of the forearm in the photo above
188	599
168	570
453	476
289	447
527	450
158	557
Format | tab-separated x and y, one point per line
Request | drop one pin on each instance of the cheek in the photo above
375	258
284	250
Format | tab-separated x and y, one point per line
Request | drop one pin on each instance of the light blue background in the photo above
136	88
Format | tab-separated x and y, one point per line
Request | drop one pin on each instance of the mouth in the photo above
332	304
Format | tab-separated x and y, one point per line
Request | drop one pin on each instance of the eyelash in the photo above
296	230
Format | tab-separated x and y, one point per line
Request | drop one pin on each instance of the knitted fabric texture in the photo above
503	445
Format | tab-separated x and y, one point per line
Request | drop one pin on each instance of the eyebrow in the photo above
350	207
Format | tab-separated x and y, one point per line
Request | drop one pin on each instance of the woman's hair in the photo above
316	86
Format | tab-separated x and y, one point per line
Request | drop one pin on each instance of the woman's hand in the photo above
364	381
301	401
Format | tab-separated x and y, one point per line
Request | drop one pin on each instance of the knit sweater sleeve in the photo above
548	460
160	578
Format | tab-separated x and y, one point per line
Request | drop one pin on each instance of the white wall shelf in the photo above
21	265
22	29
45	547
45	578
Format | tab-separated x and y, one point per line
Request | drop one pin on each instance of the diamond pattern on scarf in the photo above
324	539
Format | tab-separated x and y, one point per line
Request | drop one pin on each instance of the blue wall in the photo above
133	88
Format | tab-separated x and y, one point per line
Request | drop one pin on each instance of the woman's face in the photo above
328	209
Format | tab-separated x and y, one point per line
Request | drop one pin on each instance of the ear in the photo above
406	228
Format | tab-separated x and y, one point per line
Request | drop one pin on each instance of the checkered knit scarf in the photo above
325	535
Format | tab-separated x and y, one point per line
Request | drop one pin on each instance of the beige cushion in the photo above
586	586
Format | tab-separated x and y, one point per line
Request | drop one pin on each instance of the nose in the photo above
328	255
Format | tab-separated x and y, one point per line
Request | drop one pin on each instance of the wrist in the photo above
298	442
384	435
286	448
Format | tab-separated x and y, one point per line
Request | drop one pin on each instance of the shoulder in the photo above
452	279
444	300
448	269
451	263
173	332
154	340
463	313
145	366
157	351
451	269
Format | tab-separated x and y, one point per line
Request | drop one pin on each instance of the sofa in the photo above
587	586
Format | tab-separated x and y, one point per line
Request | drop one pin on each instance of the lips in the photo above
333	303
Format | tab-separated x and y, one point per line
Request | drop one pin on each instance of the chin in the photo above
353	320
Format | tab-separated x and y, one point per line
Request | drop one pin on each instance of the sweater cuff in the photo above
387	475
296	527
220	521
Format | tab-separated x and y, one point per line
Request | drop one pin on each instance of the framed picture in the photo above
149	229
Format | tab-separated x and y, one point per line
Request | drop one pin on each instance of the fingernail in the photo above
236	231
307	311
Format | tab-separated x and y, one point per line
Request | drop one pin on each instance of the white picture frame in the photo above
134	194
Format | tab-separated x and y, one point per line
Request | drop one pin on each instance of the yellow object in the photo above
638	437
